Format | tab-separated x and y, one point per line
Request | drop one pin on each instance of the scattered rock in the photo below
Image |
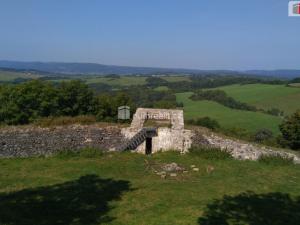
173	174
192	166
163	176
209	169
161	173
172	167
195	169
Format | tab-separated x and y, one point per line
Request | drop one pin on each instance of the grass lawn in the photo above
227	117
120	188
10	76
266	96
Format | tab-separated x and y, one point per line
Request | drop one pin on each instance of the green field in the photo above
266	96
122	81
176	78
122	189
161	88
228	118
10	76
131	80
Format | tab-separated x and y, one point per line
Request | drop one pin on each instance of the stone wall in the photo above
33	141
240	150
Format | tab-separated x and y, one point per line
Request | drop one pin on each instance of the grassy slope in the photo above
266	96
227	117
149	200
10	76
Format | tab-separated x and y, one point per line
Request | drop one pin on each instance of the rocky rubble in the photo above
243	150
172	167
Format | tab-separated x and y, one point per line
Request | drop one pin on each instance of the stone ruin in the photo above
172	136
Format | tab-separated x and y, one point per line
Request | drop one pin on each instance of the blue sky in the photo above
204	34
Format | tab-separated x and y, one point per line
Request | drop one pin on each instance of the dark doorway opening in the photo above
148	146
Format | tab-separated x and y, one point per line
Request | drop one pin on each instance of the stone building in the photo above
167	132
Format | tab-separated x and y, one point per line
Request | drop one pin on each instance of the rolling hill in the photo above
95	68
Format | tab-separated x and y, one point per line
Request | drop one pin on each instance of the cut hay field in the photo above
6	76
121	189
228	118
266	96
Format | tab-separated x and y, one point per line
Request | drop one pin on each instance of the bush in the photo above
275	112
275	160
210	153
205	122
290	129
263	135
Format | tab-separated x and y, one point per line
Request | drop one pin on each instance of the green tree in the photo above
25	102
75	98
290	129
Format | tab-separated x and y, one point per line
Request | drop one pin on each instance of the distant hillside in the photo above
275	73
87	68
94	68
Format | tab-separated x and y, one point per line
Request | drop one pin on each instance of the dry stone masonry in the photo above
27	141
34	141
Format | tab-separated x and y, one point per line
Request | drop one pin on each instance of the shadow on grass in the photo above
253	209
83	201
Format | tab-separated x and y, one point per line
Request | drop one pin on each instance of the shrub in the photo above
275	112
275	160
210	153
290	129
263	135
205	122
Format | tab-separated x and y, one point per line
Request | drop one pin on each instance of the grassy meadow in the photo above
121	188
266	96
227	117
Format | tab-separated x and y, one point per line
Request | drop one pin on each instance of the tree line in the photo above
26	102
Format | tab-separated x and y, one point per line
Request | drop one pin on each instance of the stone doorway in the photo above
148	146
